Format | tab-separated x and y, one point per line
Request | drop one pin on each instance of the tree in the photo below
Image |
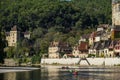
2	46
10	52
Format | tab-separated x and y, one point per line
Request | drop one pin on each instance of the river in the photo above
56	73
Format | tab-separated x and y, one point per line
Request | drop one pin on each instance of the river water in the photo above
56	73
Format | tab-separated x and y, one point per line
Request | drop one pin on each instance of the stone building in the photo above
58	49
115	32
115	12
13	36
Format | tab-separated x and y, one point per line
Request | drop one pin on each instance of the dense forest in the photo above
59	20
61	14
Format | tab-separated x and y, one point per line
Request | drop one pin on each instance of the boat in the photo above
74	72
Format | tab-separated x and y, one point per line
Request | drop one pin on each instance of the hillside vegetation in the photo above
48	20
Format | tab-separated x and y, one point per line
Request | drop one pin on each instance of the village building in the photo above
104	49
117	48
13	36
84	38
94	49
115	19
92	38
58	49
115	32
111	48
81	50
27	35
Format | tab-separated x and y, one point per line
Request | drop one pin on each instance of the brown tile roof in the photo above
14	28
26	33
103	26
83	46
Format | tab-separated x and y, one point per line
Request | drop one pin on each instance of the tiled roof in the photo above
59	44
112	44
14	28
26	33
83	46
97	45
99	33
105	44
103	26
7	33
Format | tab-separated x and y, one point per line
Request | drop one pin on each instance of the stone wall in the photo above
10	62
92	61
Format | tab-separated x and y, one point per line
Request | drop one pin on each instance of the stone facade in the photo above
57	49
116	12
13	36
10	62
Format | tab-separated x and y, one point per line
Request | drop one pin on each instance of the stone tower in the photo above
115	12
13	36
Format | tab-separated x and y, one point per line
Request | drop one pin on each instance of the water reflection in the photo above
10	76
54	73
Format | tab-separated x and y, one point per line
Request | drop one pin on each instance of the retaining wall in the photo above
92	61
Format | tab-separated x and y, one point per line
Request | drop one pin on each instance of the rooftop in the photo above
14	28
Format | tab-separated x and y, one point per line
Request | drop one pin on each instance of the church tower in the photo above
115	12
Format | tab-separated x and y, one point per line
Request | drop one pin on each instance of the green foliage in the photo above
36	59
29	14
2	45
24	60
10	52
91	55
49	20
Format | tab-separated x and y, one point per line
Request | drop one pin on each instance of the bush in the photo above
91	55
36	59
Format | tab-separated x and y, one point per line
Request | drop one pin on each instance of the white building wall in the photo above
100	29
76	52
117	50
53	52
97	38
92	51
